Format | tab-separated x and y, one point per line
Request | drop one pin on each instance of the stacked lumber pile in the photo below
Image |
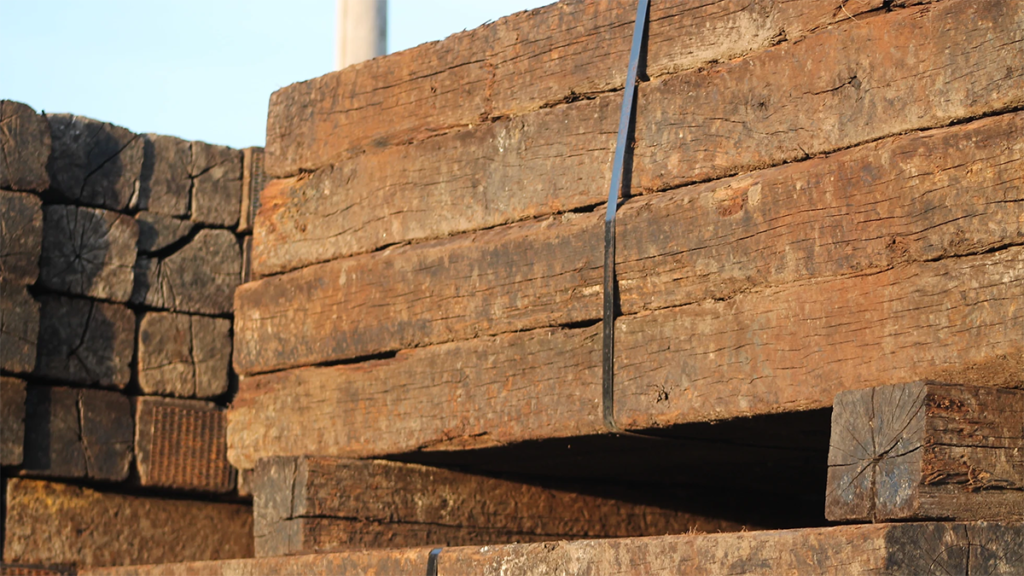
119	258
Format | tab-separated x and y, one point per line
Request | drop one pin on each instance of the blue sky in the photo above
201	70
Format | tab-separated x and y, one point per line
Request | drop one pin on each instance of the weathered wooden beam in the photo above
12	426
94	163
51	523
85	341
88	252
184	355
158	232
216	173
786	349
77	433
180	444
867	208
24	148
198	278
165	186
19	328
490	72
875	549
312	504
926	450
21	237
253	181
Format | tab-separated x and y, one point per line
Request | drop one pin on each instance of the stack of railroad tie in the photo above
824	198
119	257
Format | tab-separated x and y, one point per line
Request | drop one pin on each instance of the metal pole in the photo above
362	28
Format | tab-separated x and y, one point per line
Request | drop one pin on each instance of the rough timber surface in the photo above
874	206
926	450
21	237
491	72
19	328
877	549
216	173
180	444
93	163
198	278
88	252
12	426
311	504
77	433
183	355
781	349
85	341
50	523
166	183
24	148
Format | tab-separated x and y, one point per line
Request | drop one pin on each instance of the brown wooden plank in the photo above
51	523
216	173
767	351
575	49
88	252
198	278
558	159
310	504
77	433
157	232
24	148
19	328
871	207
166	185
183	355
12	426
877	549
253	181
94	163
85	341
180	444
21	237
926	450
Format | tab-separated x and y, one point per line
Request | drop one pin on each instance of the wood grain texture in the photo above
19	328
311	504
198	278
93	163
166	183
867	208
77	433
879	549
24	148
85	341
183	355
254	179
88	252
779	349
493	72
926	450
216	173
158	232
12	425
179	444
21	237
60	524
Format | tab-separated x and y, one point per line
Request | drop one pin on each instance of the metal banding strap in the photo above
608	323
432	561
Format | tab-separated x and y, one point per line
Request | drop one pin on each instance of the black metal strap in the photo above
432	561
608	323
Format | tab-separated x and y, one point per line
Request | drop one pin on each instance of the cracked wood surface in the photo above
21	237
88	252
158	232
526	61
216	173
85	341
779	349
310	504
77	433
51	523
166	186
183	355
180	444
19	328
926	450
877	549
910	70
930	195
12	420
94	163
199	278
24	148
